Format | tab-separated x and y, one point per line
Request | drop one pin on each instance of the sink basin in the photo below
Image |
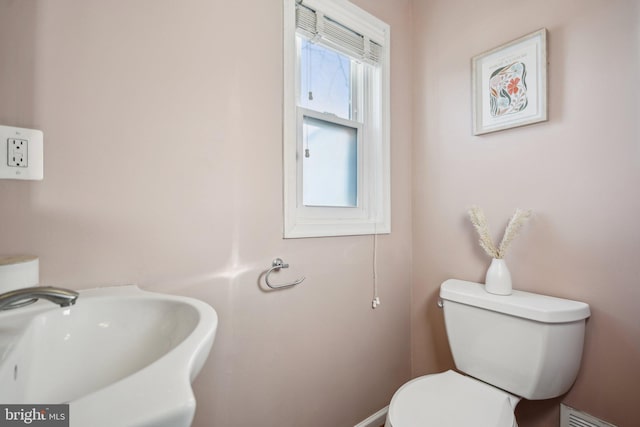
120	357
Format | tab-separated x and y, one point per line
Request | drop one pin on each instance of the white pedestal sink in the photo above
120	357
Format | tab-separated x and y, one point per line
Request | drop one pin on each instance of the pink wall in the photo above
163	167
579	172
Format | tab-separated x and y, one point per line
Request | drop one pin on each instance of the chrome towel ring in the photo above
277	264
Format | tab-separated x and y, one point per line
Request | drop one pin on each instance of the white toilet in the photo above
522	345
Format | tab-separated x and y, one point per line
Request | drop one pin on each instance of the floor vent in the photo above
570	417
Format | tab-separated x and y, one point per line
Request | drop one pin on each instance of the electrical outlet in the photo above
18	152
21	153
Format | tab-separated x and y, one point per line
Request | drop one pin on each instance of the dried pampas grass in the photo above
479	221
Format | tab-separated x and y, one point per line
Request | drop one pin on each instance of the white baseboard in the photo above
375	420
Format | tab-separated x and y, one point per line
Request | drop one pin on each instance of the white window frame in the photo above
372	215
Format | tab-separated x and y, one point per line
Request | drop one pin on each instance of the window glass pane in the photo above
325	80
330	164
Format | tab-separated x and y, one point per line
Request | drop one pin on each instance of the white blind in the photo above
320	28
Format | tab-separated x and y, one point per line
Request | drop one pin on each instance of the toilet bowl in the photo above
523	345
449	399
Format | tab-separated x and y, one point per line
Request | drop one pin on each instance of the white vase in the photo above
498	280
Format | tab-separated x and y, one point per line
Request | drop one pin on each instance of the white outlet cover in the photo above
21	153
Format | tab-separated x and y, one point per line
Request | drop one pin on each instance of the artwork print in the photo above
509	85
508	89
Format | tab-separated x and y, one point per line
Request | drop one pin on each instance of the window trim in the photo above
373	212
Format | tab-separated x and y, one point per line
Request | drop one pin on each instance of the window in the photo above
330	162
336	120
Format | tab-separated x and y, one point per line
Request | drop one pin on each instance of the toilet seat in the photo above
450	399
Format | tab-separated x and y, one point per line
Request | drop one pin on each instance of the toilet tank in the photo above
527	344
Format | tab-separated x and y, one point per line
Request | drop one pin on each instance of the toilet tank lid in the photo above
541	308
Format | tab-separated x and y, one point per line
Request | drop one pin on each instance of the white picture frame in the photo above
509	84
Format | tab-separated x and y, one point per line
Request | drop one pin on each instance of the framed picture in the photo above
510	84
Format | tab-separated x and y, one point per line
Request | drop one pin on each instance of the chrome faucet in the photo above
25	296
